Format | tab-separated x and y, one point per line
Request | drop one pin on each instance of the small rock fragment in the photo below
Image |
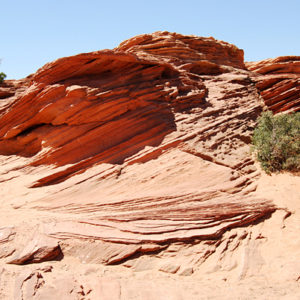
38	250
169	268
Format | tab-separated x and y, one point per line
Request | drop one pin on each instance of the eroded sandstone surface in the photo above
278	82
127	174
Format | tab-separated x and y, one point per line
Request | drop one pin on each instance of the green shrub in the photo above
276	140
2	76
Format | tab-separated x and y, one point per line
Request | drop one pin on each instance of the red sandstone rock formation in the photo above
279	82
137	156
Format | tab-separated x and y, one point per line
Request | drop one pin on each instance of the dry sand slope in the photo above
127	174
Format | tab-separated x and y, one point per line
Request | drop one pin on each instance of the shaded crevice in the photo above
30	129
90	61
6	94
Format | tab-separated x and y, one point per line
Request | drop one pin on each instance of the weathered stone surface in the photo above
39	249
137	160
151	138
186	271
278	82
169	268
6	234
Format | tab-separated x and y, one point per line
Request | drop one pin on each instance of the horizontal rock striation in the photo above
278	82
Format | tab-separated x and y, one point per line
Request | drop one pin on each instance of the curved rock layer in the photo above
279	82
138	157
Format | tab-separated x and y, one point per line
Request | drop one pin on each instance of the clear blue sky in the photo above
34	32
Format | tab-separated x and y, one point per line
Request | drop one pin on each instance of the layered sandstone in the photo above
278	82
134	159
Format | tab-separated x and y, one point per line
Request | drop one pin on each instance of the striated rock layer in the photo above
138	157
278	82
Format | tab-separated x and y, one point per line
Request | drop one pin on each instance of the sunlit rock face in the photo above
278	81
127	156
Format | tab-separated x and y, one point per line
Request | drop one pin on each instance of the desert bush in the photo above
2	76
276	141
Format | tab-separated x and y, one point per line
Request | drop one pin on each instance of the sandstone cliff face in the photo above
279	82
136	157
